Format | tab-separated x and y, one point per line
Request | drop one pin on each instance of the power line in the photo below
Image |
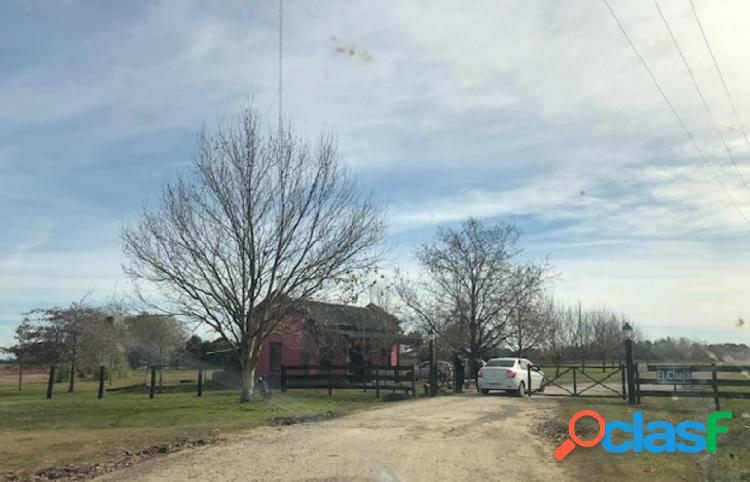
700	94
281	58
674	112
721	75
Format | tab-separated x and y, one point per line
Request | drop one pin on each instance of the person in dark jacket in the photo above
458	373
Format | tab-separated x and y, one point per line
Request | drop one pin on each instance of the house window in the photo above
275	356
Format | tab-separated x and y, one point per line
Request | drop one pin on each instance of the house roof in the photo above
370	318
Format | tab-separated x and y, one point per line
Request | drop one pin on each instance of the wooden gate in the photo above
576	381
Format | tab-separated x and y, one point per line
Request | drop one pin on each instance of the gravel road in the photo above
457	438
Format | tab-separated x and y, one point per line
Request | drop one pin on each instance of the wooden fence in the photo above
714	382
367	377
150	387
580	380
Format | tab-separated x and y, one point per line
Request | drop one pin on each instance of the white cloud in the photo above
526	110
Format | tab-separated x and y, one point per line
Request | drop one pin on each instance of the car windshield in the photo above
500	363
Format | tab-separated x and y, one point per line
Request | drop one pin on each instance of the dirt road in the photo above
457	438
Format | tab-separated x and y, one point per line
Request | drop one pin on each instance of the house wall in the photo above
290	333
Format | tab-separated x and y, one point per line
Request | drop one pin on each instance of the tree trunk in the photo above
161	376
248	381
20	374
72	382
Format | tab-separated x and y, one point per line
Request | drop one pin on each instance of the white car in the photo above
511	375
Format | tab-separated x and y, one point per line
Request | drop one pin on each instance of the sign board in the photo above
674	375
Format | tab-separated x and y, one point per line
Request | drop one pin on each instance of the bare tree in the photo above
29	347
583	332
561	336
472	282
529	324
78	335
157	338
263	223
606	333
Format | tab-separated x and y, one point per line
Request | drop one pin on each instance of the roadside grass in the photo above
731	461
77	428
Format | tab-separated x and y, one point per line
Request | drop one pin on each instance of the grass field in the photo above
76	428
731	461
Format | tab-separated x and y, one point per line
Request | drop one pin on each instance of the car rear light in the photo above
480	374
510	374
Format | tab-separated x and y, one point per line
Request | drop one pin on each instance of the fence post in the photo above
528	378
622	375
51	381
200	382
153	382
101	383
283	378
330	380
433	370
395	378
575	386
413	380
637	384
715	384
631	371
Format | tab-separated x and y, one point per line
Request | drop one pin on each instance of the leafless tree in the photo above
157	338
29	347
530	323
606	333
472	282
583	332
264	222
561	336
79	335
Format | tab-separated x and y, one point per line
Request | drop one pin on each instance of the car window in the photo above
500	363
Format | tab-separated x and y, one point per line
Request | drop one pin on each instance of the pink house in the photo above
319	333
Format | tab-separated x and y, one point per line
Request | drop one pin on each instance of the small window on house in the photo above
275	356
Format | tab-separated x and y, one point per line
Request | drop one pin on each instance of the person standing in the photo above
458	373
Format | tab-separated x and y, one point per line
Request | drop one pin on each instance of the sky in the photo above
532	112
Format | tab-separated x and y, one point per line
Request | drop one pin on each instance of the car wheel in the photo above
485	391
521	391
541	387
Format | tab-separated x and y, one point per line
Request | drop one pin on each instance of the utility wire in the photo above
721	75
281	57
700	94
674	112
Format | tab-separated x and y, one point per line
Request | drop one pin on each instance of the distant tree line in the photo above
80	338
476	294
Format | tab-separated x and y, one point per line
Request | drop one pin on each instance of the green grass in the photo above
76	428
730	462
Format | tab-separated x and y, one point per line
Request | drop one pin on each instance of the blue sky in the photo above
532	112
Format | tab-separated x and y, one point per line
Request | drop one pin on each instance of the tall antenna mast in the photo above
281	51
